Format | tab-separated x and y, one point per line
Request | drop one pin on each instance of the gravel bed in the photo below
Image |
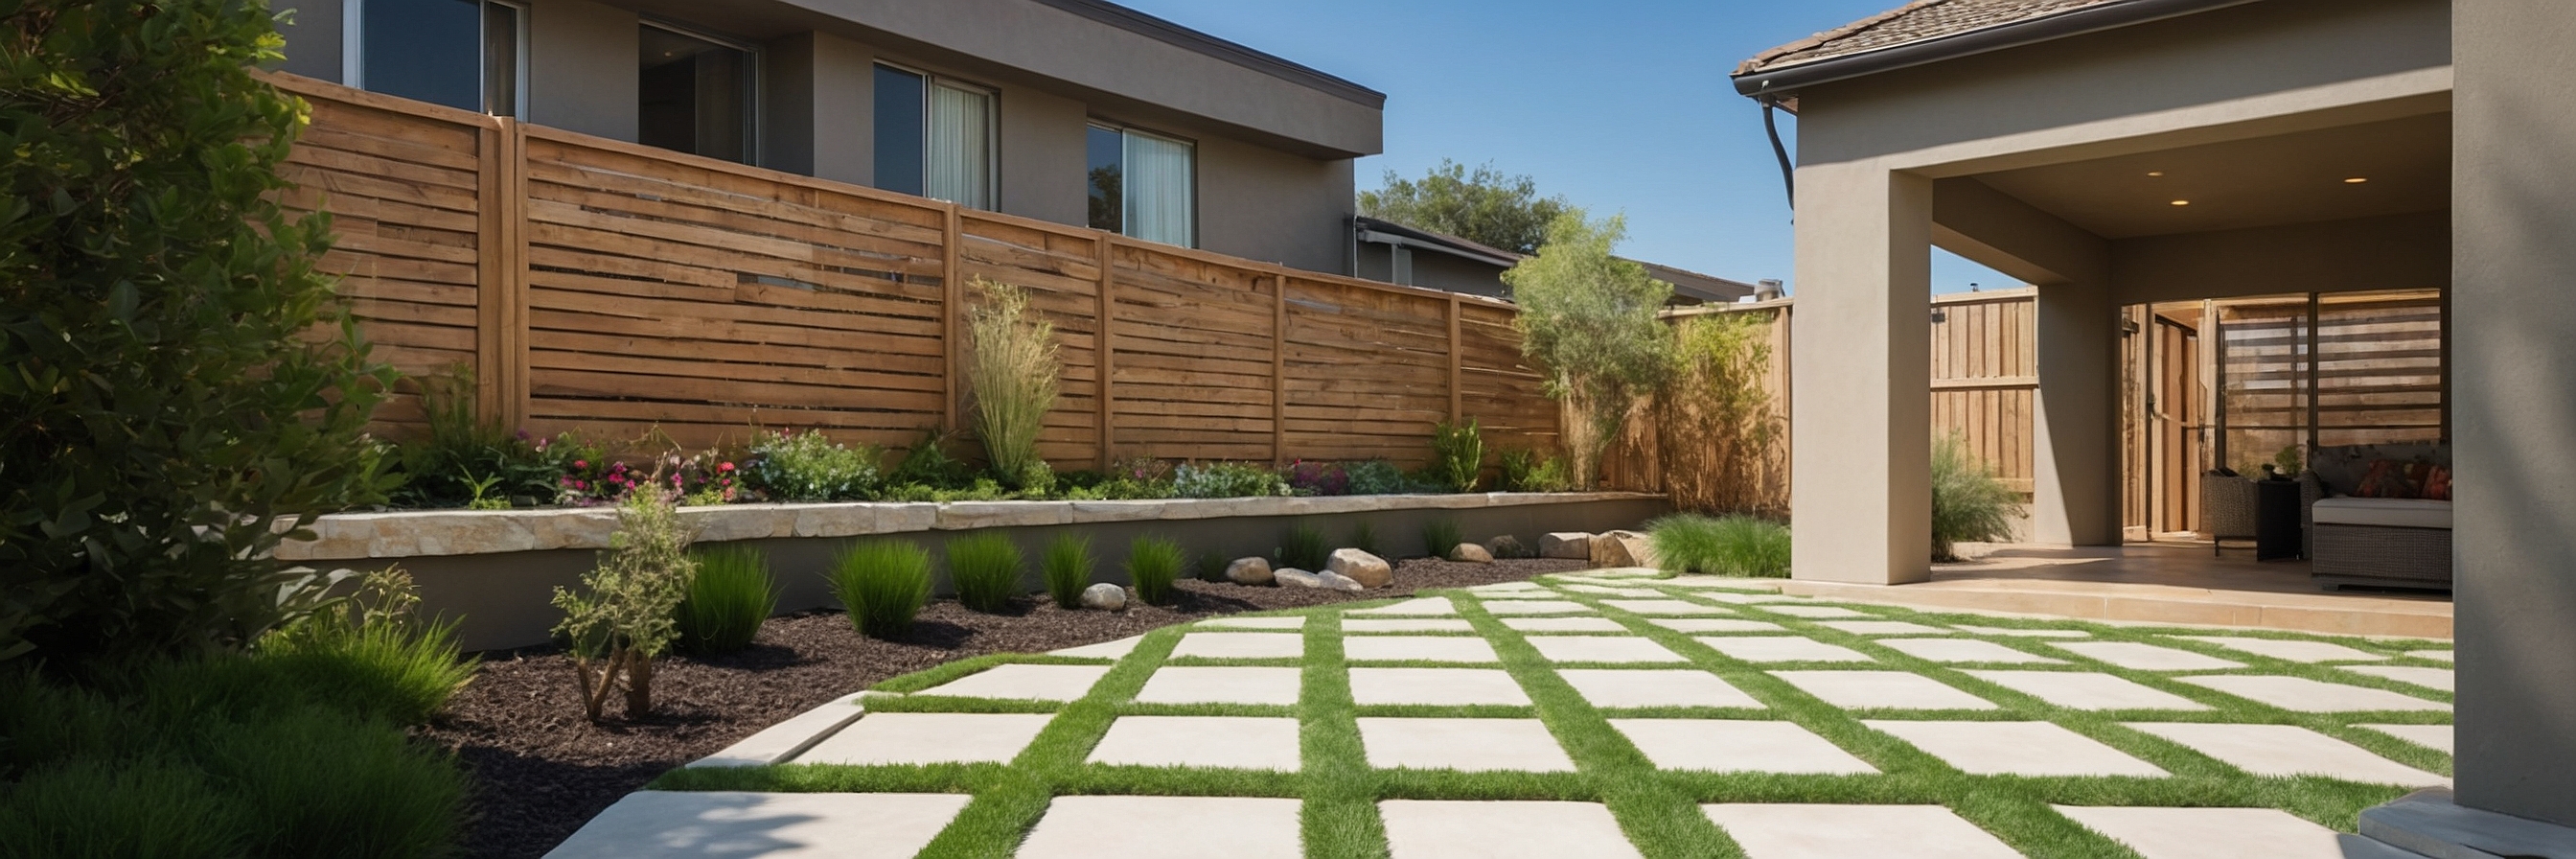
541	770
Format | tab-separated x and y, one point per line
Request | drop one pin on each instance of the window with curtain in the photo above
1144	185
459	53
696	95
935	138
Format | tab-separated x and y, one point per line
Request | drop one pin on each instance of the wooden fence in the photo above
621	289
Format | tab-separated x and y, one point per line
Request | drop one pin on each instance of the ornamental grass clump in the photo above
1068	565
627	615
1152	565
1732	545
1969	502
1363	537
1302	547
732	593
1458	455
1012	374
883	584
1441	535
986	570
373	653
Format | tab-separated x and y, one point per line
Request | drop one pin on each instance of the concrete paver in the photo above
1667	607
2428	736
1418	648
1227	684
1855	832
1536	607
1962	650
2429	678
1166	827
1232	742
2084	690
1815	611
1104	650
2144	657
2290	649
2016	748
1448	687
928	738
1880	627
2209	833
1611	688
1601	648
2289	750
1564	624
1716	624
1521	745
1782	648
1892	690
1425	606
1024	682
1407	624
1240	645
1296	622
659	824
2311	696
1520	829
1738	745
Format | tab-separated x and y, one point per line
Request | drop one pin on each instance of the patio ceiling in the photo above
2258	182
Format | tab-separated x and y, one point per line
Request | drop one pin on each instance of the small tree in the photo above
180	380
1012	372
1484	205
629	614
1714	421
1588	319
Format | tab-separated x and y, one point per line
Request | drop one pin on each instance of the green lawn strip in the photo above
1339	819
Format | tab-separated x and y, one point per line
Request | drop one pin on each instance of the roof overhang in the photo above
1780	84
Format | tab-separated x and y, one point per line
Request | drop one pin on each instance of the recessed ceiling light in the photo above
2356	180
2182	202
2155	172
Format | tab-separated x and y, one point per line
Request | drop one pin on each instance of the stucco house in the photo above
1397	253
1079	112
2114	152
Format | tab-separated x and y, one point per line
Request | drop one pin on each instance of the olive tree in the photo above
1587	318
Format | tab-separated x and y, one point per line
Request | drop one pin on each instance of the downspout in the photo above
1788	174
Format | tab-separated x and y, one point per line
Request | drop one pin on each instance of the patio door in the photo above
2165	444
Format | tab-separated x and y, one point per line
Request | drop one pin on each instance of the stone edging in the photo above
427	533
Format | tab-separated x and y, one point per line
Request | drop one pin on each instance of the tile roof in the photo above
1914	22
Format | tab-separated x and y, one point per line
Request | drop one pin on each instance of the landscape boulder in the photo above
1470	553
1622	549
1105	596
1248	571
1506	546
1568	545
1367	569
1293	577
1333	581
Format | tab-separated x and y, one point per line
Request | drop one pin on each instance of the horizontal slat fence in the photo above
623	290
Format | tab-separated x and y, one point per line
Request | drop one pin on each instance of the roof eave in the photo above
1782	83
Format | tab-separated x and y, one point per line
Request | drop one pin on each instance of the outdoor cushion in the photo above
2384	512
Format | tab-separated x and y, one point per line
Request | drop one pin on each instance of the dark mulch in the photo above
541	770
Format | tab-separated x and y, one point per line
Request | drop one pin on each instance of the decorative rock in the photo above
1569	545
1367	569
1248	571
1506	546
1105	596
1287	576
1622	549
1470	553
1335	581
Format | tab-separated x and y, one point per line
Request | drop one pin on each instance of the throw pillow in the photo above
2385	479
2437	484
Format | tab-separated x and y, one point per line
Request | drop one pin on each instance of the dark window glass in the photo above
1108	152
899	130
500	59
431	50
694	96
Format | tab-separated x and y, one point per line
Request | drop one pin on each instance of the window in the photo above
696	94
1144	185
467	54
934	137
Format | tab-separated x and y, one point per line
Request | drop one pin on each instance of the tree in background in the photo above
1588	318
1483	205
179	380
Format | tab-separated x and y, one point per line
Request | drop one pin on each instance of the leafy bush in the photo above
883	584
1152	565
1012	373
628	616
1441	535
1302	547
1226	480
927	463
1969	503
182	377
728	599
1732	545
1317	478
465	461
1377	477
1364	537
986	570
1068	567
807	466
1458	455
1529	471
372	656
1211	567
1587	318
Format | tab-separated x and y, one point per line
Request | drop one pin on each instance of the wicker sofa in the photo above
2375	542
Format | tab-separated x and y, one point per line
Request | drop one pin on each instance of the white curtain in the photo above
958	164
1160	195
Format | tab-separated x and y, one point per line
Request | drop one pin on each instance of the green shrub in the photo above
1152	565
1364	537
1376	477
95	808
465	461
1721	437
182	377
1458	455
1969	503
986	570
927	465
807	466
732	593
1441	535
883	584
1211	567
1587	319
1302	547
1733	545
1068	570
1012	373
1531	471
317	783
1226	480
628	613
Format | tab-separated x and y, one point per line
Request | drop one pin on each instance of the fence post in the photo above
1278	369
952	313
1457	396
1104	347
501	275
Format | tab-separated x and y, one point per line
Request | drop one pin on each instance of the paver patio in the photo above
1673	737
656	824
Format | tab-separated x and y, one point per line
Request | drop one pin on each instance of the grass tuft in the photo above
1303	547
1364	537
986	570
1439	536
1969	502
1068	567
1152	564
727	599
884	584
1731	545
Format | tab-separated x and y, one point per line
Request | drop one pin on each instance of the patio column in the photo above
2075	478
1861	493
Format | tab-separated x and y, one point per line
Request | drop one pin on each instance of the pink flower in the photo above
581	463
724	466
580	485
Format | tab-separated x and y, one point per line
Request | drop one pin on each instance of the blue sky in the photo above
1617	106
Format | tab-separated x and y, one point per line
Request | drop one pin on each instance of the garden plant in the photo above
1012	372
883	584
728	597
627	613
1588	318
1969	503
985	568
1153	564
1068	567
1735	544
